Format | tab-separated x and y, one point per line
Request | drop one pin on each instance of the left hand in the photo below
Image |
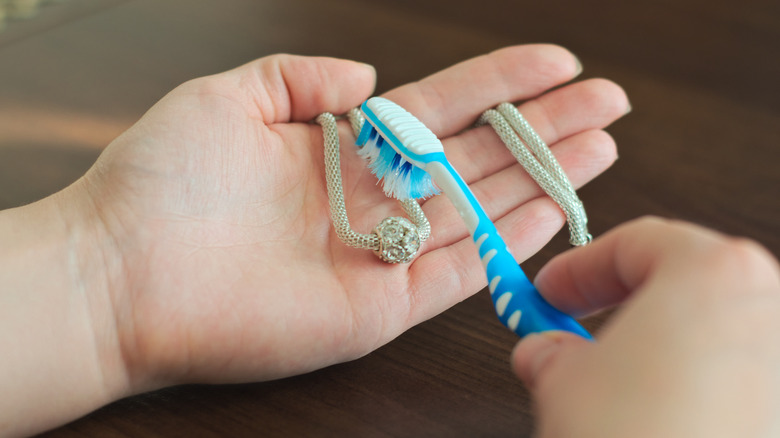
217	202
199	247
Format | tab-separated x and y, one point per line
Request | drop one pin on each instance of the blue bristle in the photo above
365	132
421	184
400	178
405	169
396	163
387	155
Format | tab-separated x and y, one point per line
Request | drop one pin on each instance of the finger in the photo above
451	100
559	114
591	278
628	258
446	275
582	156
285	88
539	352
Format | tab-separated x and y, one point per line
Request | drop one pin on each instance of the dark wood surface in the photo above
702	144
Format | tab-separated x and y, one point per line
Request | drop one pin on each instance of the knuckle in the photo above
754	260
753	270
603	89
647	222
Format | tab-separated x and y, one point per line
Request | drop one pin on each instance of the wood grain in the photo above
700	144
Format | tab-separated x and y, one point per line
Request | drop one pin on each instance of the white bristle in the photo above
369	152
397	186
400	179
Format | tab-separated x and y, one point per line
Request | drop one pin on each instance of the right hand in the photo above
694	352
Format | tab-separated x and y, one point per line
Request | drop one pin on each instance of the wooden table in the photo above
701	144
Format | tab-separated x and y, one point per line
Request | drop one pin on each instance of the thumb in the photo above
290	88
539	352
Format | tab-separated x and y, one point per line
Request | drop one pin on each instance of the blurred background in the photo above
701	144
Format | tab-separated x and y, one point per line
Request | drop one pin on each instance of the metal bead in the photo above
399	240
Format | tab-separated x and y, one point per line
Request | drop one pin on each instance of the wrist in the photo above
57	267
96	273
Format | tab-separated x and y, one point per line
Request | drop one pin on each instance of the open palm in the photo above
216	199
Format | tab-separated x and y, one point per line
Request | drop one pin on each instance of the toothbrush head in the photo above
398	147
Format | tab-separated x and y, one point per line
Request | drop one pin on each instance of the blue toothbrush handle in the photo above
402	145
518	304
526	311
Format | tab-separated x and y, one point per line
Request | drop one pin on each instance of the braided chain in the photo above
338	210
537	159
516	133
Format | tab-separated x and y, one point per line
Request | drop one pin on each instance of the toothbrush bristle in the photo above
400	178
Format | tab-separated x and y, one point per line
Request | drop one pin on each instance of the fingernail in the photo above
578	69
628	109
367	66
537	349
547	345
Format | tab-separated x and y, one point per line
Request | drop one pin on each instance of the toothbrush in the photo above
409	159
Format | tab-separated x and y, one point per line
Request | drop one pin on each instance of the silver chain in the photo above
410	206
385	240
537	159
516	133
